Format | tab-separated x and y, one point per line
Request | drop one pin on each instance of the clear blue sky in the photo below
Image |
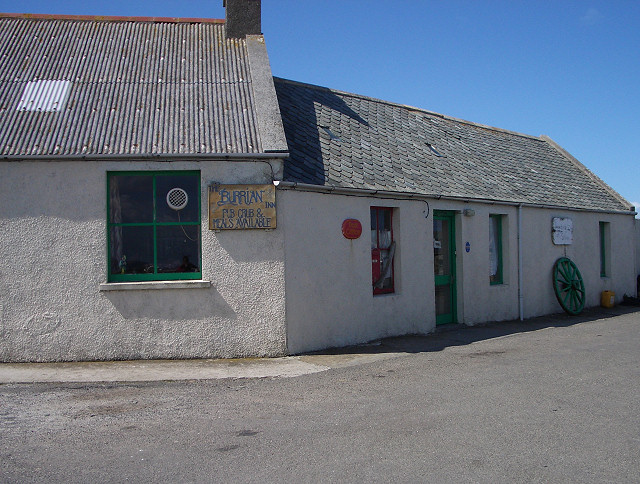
567	69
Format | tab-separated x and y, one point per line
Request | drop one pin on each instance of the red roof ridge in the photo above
110	18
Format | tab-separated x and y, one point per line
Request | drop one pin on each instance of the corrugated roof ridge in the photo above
109	18
586	171
412	108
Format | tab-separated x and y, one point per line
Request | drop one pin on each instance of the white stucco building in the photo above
163	196
472	212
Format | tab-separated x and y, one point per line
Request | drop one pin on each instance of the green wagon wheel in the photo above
568	286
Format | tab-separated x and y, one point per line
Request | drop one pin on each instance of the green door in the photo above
444	266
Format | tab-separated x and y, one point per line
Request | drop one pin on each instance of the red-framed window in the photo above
382	250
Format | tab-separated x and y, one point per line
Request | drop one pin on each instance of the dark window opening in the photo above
382	250
604	249
153	226
495	249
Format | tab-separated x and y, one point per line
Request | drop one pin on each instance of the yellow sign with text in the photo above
241	207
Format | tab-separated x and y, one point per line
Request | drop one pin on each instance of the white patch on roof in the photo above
44	96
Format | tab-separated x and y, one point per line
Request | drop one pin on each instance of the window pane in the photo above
387	283
131	250
178	248
188	183
384	228
443	299
493	246
382	242
374	228
130	199
495	249
381	245
604	255
441	248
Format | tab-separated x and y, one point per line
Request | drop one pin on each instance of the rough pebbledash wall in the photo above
330	301
54	260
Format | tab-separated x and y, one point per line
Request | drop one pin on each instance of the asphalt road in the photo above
519	402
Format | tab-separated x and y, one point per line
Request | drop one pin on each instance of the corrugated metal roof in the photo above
135	87
384	146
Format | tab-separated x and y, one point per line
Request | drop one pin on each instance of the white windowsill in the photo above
152	285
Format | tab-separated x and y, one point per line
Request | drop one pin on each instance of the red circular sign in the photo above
351	228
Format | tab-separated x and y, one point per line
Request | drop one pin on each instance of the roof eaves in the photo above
406	195
146	157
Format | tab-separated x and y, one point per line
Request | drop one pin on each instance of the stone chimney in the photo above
243	17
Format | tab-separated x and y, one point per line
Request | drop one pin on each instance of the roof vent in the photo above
177	198
331	134
44	96
434	151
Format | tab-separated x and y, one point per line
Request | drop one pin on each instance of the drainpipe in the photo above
520	295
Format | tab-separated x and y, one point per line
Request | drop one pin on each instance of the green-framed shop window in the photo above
495	249
153	225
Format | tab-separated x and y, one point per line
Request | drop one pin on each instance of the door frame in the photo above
451	317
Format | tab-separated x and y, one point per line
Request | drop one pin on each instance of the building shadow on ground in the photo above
459	334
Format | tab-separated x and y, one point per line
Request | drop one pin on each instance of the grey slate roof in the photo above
137	87
344	140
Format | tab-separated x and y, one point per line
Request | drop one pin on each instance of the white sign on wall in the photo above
562	231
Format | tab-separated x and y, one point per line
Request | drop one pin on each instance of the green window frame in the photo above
153	226
604	253
495	250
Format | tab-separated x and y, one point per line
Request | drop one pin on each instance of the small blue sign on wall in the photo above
467	247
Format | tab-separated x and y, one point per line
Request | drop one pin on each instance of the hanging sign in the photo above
562	231
351	228
239	207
